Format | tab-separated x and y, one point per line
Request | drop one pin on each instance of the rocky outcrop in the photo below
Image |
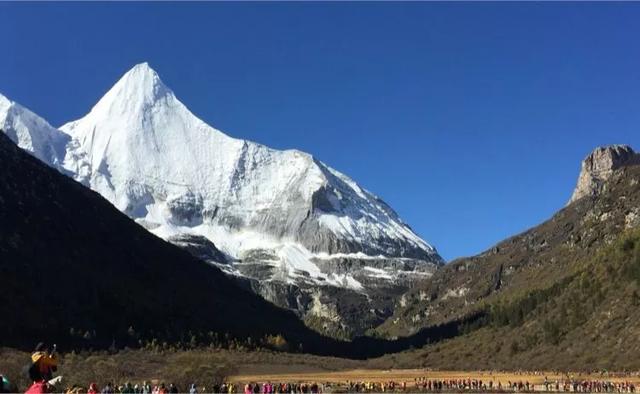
341	312
199	247
598	167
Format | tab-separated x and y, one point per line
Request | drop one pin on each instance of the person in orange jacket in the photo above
45	362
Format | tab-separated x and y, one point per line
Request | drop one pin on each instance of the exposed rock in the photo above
632	219
457	292
598	167
199	247
496	278
353	311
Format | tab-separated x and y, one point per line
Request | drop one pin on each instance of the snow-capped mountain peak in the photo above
139	87
142	149
131	98
285	221
32	133
293	227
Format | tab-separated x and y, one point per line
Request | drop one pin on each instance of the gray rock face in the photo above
199	247
336	311
598	167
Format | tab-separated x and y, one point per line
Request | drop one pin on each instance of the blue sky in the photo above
470	119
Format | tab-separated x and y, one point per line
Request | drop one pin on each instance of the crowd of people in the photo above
223	388
420	385
589	386
128	388
490	385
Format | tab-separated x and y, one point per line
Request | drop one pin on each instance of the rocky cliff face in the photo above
598	167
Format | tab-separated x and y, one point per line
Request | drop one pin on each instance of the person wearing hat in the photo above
45	362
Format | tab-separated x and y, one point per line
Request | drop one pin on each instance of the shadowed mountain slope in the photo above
69	259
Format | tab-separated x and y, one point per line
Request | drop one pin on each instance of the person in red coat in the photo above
38	388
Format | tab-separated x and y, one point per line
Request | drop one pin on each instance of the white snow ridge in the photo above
32	133
146	153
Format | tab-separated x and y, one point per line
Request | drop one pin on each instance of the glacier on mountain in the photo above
154	160
279	216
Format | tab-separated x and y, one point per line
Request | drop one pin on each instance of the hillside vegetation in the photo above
586	320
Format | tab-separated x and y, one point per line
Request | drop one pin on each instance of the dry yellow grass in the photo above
283	373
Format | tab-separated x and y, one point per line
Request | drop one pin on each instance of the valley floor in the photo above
340	379
241	367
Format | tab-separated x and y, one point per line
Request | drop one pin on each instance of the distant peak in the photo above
598	167
143	65
138	89
142	71
141	79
